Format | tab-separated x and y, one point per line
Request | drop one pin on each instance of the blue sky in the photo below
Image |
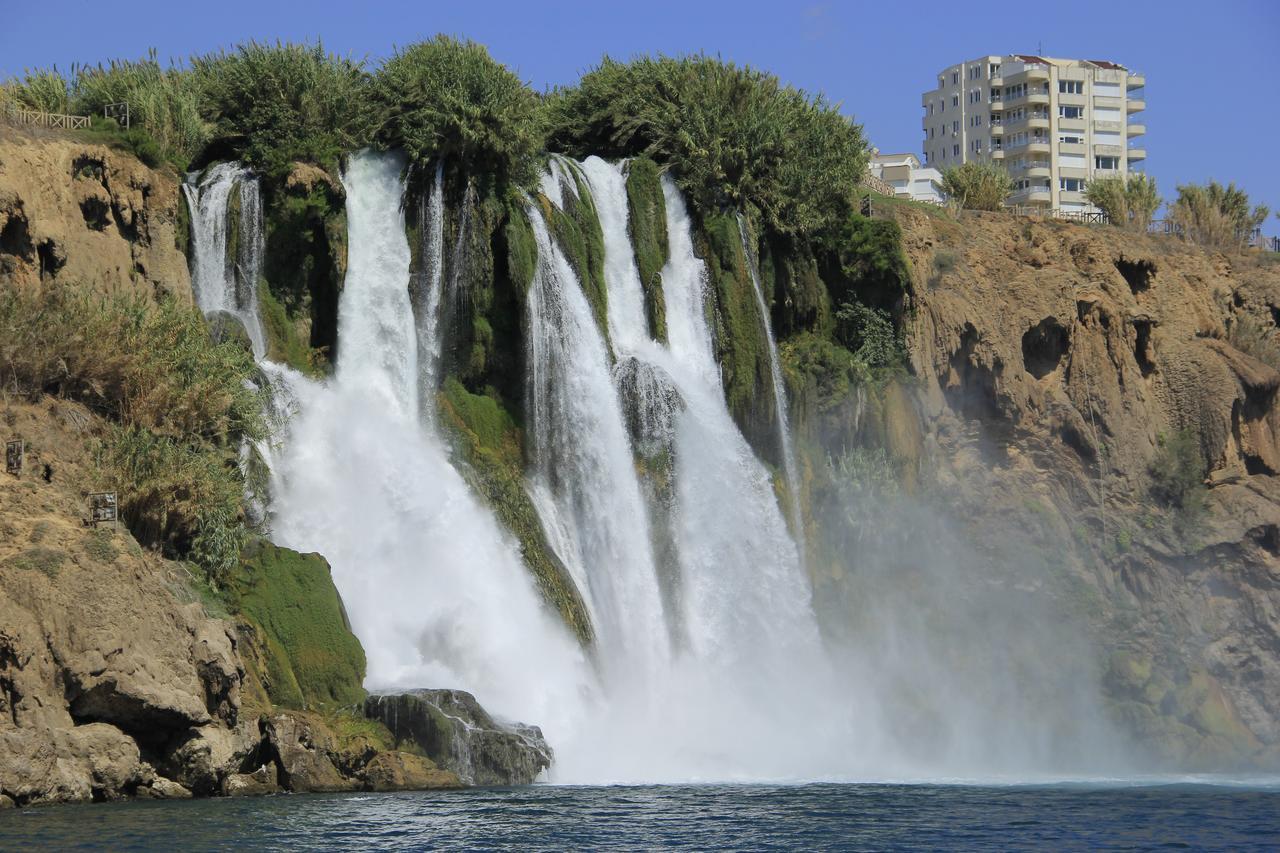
1213	69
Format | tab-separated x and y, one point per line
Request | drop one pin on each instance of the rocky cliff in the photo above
1111	399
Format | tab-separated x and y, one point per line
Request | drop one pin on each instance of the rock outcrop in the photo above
460	736
78	212
1057	364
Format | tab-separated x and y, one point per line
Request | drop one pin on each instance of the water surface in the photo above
757	817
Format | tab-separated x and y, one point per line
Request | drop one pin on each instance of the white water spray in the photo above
222	283
436	591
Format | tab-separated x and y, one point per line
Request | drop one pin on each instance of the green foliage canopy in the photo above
977	186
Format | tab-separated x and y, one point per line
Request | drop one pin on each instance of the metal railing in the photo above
881	186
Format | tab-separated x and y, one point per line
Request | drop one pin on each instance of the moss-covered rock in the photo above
303	266
741	347
647	228
576	230
309	657
491	443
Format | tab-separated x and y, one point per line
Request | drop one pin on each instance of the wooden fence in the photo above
35	118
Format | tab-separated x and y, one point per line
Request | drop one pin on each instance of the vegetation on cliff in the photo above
1216	216
732	135
178	402
977	186
1128	200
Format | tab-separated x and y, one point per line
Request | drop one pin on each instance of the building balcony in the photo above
1038	98
1133	129
1072	124
1038	170
1034	120
1108	126
1108	150
1071	148
1136	154
1070	100
1107	102
1135	80
1043	147
1135	105
1033	195
997	129
1071	197
1073	172
997	154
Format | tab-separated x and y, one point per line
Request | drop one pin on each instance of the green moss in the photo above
303	265
285	342
742	350
491	442
647	227
312	658
576	230
521	249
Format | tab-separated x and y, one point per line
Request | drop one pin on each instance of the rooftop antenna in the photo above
1040	48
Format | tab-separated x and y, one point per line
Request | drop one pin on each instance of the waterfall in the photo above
583	469
779	393
222	284
435	589
428	293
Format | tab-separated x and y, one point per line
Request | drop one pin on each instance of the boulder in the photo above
93	761
165	789
208	754
404	771
302	754
457	734
262	781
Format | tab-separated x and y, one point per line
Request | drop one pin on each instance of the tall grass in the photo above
43	89
179	405
734	136
449	98
274	104
162	101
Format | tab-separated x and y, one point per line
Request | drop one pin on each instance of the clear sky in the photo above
1212	68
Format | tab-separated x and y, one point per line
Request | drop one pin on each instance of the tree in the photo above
1128	201
977	186
1213	215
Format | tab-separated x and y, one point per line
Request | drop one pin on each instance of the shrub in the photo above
864	261
1128	201
1257	339
733	136
163	105
180	404
870	335
1216	216
274	104
977	186
1177	471
449	98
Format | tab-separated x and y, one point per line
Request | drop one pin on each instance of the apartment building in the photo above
907	176
1054	124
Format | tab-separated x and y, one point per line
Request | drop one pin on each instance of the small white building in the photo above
908	178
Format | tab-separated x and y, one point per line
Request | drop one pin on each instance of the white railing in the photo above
35	118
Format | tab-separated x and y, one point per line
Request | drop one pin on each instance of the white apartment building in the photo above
909	179
1053	123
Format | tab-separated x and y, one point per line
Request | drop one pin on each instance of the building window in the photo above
1071	140
955	150
931	109
955	77
1107	163
1071	185
955	128
1070	112
1071	87
955	100
995	70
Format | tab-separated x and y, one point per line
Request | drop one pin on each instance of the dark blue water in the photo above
827	817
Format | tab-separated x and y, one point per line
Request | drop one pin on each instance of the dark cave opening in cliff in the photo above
1043	347
1142	352
1138	273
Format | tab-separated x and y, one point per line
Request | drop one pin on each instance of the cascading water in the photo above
435	589
428	293
583	466
223	284
779	394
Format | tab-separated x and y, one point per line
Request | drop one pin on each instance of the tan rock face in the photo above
303	753
404	771
1055	360
76	212
103	650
